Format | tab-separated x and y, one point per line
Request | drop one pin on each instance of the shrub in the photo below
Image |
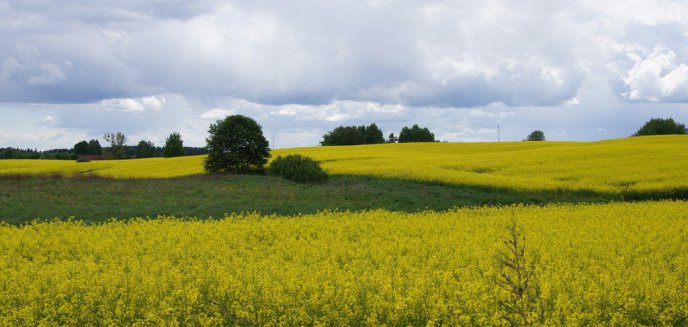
83	159
536	135
298	168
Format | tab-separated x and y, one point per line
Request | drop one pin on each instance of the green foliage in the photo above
373	134
343	135
81	148
236	145
174	146
659	126
88	147
116	141
146	149
83	159
392	138
298	168
536	135
94	147
416	134
354	135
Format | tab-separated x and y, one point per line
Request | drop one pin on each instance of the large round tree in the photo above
236	145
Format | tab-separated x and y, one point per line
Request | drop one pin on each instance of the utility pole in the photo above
498	136
273	141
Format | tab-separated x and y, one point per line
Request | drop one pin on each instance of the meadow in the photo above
96	199
613	264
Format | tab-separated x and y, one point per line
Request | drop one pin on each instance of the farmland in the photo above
402	234
643	165
617	264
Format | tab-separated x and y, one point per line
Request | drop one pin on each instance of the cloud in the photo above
50	74
216	113
9	67
339	111
132	105
411	53
485	113
48	121
122	105
657	77
303	67
153	102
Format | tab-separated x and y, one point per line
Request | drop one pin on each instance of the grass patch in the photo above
93	199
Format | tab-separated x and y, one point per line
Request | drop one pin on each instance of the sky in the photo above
578	70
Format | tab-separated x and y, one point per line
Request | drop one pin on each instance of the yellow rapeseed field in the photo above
610	264
135	168
639	164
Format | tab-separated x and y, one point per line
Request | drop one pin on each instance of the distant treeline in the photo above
131	152
371	134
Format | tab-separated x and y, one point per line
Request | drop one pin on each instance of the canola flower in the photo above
650	165
640	164
603	264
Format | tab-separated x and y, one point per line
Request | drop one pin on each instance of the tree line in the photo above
372	134
116	149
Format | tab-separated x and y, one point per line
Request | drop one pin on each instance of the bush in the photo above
298	168
659	126
536	135
83	159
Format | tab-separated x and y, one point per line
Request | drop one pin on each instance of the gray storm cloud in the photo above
305	66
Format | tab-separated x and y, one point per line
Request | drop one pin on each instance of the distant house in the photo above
96	156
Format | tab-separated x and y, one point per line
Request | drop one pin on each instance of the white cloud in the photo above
122	104
338	111
154	103
48	121
477	112
216	113
657	76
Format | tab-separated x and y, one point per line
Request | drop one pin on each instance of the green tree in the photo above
659	126
81	148
236	145
373	134
174	146
145	149
116	141
392	138
94	147
354	135
344	135
536	135
416	134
